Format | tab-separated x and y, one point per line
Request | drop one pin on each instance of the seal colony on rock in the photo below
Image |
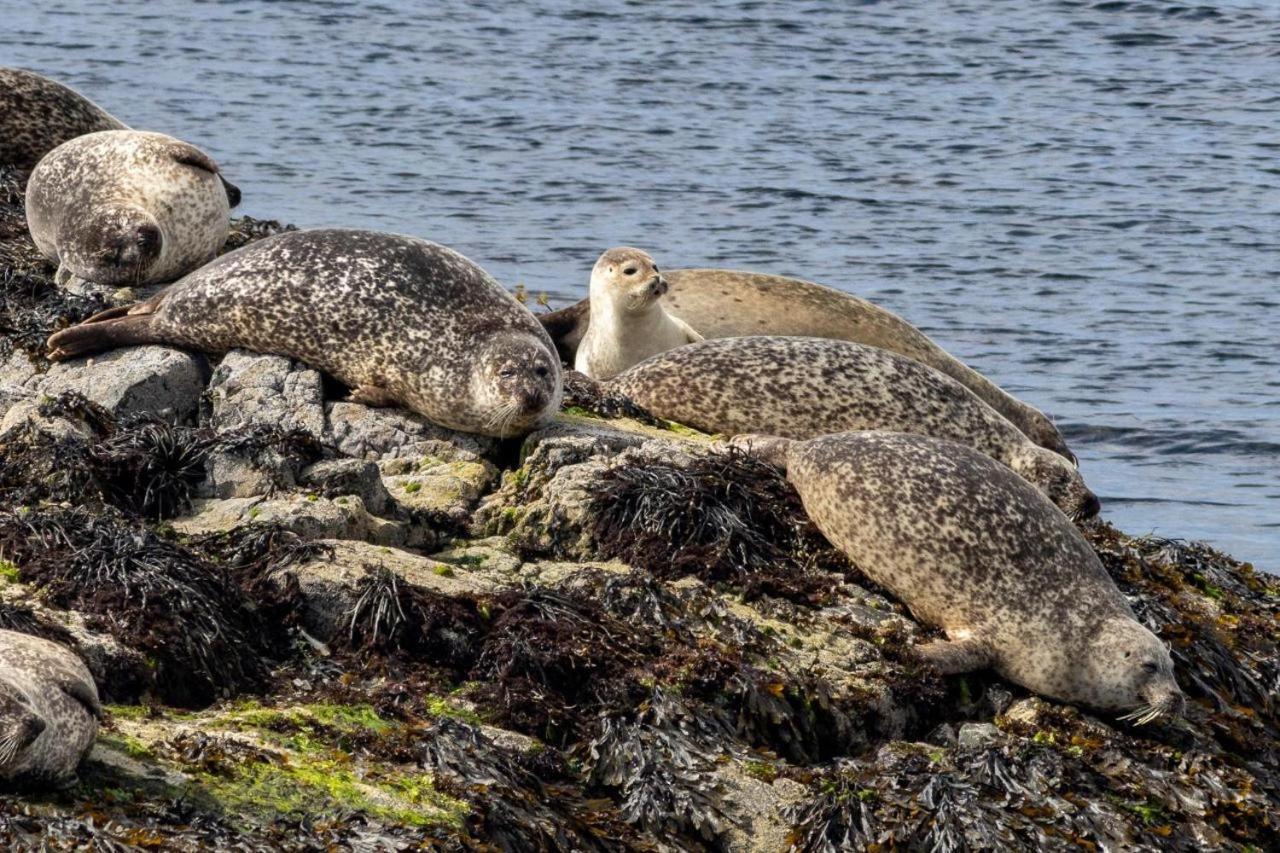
974	550
126	207
400	320
805	387
49	711
38	114
731	303
628	323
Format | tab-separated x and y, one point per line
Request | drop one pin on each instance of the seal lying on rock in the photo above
49	711
806	387
730	303
974	550
124	207
38	114
402	321
628	323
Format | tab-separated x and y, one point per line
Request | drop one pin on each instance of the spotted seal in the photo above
628	323
401	320
974	550
806	387
49	711
38	114
127	207
729	303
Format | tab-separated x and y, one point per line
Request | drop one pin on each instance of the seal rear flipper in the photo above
233	191
100	333
567	327
955	657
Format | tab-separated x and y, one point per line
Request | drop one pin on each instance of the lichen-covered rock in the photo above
430	487
252	390
308	516
136	380
331	478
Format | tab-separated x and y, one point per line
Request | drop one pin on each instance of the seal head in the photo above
515	384
115	244
1129	670
628	277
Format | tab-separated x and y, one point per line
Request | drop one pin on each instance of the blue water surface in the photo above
1079	199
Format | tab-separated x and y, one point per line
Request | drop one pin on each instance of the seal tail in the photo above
116	327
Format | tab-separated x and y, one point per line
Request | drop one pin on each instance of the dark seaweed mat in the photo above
188	617
583	392
723	517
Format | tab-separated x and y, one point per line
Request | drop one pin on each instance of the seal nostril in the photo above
1092	506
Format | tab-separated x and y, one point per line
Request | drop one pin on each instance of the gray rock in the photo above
228	475
309	516
334	477
161	381
249	390
977	735
381	433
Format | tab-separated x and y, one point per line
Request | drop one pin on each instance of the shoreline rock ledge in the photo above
318	625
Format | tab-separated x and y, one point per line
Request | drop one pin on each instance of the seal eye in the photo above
630	271
507	371
1150	668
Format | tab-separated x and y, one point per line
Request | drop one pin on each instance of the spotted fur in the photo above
805	387
126	207
399	319
730	303
49	711
974	550
38	114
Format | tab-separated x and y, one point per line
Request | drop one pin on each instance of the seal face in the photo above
125	207
38	114
805	387
400	320
628	324
731	303
974	550
49	711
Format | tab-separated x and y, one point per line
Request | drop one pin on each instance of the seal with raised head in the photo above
806	387
38	114
127	207
49	711
628	323
402	321
730	303
974	550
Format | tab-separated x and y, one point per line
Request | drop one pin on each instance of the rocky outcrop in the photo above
326	625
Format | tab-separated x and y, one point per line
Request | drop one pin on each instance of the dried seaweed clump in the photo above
150	467
189	618
513	808
246	230
38	465
724	517
1220	618
583	393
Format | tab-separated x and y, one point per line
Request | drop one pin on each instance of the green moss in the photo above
579	412
761	770
443	570
438	706
250	714
127	744
307	787
681	429
255	512
8	572
412	486
1150	812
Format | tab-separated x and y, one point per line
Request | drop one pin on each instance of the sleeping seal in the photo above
37	115
730	303
49	711
401	320
806	387
127	208
628	323
972	549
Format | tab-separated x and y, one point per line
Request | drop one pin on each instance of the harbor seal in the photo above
972	549
38	114
127	208
730	303
628	323
806	387
400	320
49	711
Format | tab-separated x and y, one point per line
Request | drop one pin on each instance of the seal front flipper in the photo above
80	690
373	395
768	448
954	657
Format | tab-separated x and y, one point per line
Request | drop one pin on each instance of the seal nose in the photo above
1091	506
658	286
532	400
